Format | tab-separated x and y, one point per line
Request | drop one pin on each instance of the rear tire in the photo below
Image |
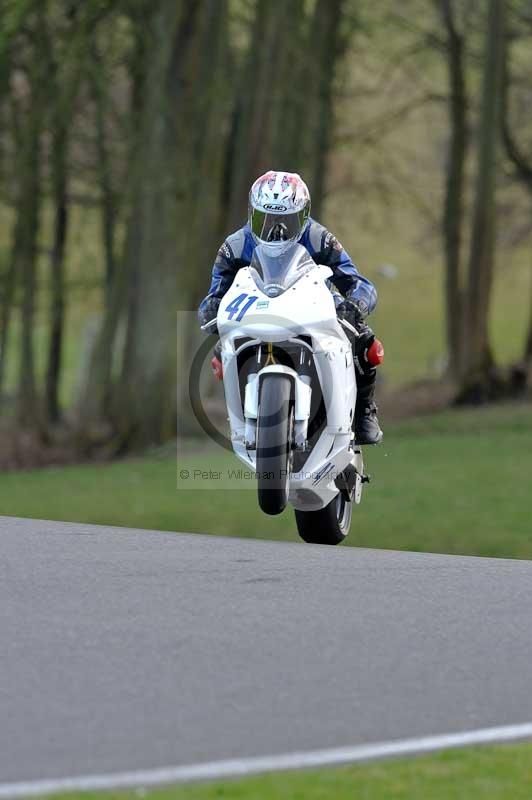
274	438
329	525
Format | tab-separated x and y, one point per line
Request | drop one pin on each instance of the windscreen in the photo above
274	274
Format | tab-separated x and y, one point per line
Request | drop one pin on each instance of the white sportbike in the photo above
290	389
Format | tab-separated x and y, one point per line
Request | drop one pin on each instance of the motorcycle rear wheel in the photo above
329	525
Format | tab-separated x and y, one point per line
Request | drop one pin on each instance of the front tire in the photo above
274	441
329	525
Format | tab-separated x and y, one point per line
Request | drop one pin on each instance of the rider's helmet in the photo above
279	208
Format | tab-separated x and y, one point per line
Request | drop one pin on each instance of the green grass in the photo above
495	773
454	483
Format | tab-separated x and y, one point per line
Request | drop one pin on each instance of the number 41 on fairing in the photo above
234	306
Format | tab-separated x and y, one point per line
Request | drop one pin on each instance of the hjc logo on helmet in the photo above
273	207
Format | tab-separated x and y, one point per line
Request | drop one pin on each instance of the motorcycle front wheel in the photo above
329	525
274	438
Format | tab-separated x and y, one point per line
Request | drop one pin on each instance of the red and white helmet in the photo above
279	208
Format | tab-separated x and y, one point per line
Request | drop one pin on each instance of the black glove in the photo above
209	310
351	312
361	345
217	350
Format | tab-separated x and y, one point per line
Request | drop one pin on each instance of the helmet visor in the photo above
270	227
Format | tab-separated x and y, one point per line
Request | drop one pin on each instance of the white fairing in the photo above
306	308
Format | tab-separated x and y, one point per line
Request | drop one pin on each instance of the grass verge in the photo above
493	773
451	483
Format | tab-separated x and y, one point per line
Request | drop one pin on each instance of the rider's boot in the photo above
367	429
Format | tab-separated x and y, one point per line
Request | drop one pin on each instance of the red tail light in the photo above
375	353
217	368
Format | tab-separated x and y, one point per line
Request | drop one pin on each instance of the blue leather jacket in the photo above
237	250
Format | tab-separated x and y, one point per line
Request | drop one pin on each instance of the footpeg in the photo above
366	478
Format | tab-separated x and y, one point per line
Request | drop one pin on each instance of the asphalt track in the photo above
130	650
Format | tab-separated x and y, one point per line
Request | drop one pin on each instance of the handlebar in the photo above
209	324
348	326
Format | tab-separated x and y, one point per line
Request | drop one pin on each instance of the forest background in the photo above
131	132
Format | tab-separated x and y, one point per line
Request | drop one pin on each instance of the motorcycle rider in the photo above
279	213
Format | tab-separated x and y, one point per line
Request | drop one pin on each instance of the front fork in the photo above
302	399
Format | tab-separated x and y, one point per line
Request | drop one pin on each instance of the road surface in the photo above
125	649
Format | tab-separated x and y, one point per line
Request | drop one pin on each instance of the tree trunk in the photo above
105	180
453	214
94	405
284	111
27	231
201	148
522	168
325	52
477	378
283	146
28	411
146	399
268	130
7	45
6	309
57	306
253	108
65	62
97	398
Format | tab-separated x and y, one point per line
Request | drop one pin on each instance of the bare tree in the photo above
147	390
453	215
477	377
327	48
263	133
66	52
98	78
28	210
521	163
